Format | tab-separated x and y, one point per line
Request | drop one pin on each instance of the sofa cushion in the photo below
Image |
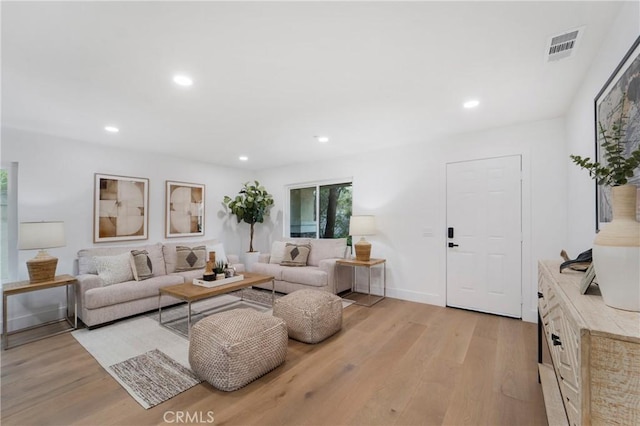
171	257
86	264
277	252
189	258
189	276
295	255
114	269
269	269
218	248
308	275
141	265
127	291
326	249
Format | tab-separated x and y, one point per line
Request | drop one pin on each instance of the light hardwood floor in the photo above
396	363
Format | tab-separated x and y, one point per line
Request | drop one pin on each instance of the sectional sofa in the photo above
100	302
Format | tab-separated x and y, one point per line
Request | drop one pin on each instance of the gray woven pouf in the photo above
311	315
231	349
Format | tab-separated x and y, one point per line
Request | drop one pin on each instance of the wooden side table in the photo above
11	289
359	297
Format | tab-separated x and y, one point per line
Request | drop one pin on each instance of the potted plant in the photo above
219	270
251	205
616	249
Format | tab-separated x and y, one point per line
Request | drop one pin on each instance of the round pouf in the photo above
231	349
311	315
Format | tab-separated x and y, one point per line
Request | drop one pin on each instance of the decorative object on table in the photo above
41	236
120	208
619	93
229	271
184	209
588	278
209	273
251	205
616	250
220	270
361	226
580	263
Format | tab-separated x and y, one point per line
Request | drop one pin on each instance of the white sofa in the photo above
99	303
320	272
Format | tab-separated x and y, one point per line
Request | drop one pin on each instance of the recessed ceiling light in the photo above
182	80
322	139
111	129
471	104
243	158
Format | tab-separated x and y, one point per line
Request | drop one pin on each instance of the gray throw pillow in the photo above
141	265
188	258
114	269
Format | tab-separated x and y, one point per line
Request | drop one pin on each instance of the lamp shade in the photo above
362	225
41	235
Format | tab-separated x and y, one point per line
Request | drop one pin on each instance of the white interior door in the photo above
484	254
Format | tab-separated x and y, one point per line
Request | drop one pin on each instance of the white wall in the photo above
55	182
580	133
405	189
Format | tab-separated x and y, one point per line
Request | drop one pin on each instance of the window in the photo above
8	223
320	211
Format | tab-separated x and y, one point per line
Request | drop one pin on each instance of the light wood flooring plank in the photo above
397	363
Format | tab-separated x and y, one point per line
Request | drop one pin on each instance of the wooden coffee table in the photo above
190	293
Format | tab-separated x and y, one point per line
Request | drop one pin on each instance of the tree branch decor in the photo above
616	169
251	205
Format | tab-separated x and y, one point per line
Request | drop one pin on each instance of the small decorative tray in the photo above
216	283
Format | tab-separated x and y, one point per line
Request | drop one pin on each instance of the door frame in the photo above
528	283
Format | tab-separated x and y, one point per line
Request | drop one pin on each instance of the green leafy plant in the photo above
220	267
251	205
617	169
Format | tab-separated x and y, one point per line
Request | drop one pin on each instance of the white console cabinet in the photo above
595	353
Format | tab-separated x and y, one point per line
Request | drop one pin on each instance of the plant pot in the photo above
220	276
616	252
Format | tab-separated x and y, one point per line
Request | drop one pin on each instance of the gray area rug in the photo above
154	377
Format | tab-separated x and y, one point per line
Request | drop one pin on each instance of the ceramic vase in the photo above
616	252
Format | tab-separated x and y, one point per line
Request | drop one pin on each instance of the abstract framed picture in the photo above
624	84
121	208
184	209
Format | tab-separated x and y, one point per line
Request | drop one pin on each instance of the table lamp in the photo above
362	225
41	236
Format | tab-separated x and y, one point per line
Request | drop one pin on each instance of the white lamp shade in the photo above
41	235
362	225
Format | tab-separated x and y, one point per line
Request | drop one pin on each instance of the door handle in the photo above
453	245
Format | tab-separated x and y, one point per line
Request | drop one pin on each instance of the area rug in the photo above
151	362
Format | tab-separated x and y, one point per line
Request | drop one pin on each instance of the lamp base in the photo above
363	250
42	268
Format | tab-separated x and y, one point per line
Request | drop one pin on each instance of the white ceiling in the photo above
269	76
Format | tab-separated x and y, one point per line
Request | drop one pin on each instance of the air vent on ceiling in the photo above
563	45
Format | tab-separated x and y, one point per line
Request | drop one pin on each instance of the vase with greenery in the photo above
616	248
251	205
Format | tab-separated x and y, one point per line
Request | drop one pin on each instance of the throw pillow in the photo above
220	253
114	269
277	252
190	258
141	265
296	254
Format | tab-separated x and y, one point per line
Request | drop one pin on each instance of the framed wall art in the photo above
121	208
624	82
184	209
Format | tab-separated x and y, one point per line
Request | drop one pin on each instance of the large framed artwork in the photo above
184	209
121	208
624	82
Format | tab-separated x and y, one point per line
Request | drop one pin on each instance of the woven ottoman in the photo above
311	315
231	349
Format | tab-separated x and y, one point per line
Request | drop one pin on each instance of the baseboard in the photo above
414	296
36	318
530	316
